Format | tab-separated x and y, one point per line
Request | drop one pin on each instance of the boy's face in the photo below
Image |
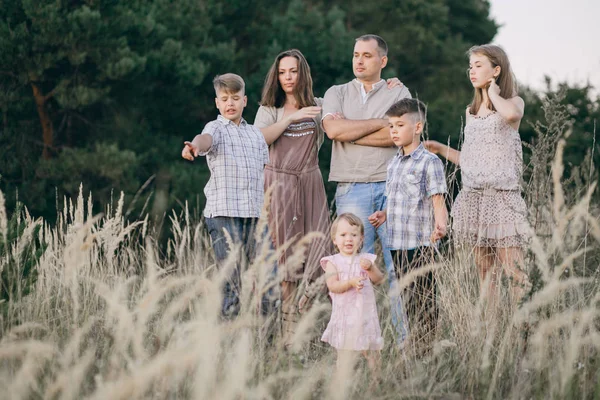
404	131
231	105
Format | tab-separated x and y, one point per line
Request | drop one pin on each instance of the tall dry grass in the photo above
112	316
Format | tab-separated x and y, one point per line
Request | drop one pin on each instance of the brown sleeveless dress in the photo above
298	201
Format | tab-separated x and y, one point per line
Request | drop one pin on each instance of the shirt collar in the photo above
416	153
363	91
226	121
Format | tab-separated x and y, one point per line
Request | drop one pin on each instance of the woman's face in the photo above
288	74
481	70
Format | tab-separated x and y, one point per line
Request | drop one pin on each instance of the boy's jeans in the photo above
363	199
241	231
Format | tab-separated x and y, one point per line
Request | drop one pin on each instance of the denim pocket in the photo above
342	189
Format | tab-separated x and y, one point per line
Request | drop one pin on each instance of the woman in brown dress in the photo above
289	117
290	120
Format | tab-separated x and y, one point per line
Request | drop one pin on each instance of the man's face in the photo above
367	63
231	105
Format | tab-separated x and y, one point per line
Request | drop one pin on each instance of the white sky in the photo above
558	38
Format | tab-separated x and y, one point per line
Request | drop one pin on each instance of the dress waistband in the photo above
489	191
295	174
292	171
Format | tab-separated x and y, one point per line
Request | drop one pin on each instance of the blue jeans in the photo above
363	199
241	230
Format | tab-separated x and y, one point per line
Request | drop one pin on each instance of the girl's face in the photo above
288	74
348	238
481	70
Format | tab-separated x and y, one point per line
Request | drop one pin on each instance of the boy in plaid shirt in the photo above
236	154
416	214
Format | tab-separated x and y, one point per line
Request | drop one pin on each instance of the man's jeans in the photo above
363	199
241	231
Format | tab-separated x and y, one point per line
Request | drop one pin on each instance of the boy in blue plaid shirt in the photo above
416	214
236	154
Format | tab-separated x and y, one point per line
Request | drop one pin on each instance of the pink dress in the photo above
354	324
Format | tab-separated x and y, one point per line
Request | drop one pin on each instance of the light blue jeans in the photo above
363	199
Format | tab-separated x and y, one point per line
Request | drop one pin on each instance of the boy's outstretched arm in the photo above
201	144
440	215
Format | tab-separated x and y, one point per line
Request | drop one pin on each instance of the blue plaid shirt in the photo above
411	181
236	160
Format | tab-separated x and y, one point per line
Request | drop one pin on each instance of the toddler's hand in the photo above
365	264
357	283
189	151
438	233
377	218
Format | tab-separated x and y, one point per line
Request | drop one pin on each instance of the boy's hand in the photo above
377	218
365	264
189	151
438	233
393	82
357	283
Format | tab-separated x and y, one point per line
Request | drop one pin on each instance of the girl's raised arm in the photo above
510	109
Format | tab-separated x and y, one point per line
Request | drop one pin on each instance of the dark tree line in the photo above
104	92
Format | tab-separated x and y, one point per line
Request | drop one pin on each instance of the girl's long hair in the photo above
274	96
506	80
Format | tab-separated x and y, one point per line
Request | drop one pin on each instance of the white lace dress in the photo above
489	211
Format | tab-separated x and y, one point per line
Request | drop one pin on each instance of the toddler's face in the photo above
348	238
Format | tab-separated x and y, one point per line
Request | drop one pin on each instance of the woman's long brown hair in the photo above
506	80
274	96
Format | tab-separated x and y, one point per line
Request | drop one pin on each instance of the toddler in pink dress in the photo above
354	325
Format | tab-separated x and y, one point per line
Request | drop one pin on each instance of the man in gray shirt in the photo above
362	146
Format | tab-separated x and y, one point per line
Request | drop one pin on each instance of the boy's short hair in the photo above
382	46
351	219
408	106
230	83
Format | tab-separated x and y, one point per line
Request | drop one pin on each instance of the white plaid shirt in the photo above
411	181
236	161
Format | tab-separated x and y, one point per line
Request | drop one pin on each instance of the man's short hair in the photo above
230	83
382	46
414	107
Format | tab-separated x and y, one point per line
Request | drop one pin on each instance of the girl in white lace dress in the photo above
489	213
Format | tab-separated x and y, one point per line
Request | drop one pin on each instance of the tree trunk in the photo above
47	128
